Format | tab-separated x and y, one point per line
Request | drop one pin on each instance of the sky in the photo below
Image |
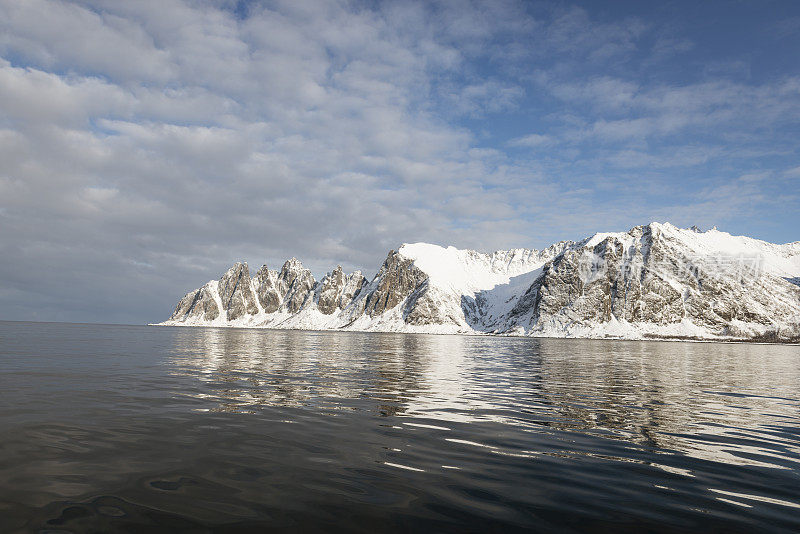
146	146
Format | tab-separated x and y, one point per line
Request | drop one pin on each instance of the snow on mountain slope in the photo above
653	281
455	277
468	271
659	280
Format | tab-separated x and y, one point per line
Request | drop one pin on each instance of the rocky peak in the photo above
265	274
337	274
291	269
266	284
555	249
395	281
236	293
197	306
356	278
295	283
335	291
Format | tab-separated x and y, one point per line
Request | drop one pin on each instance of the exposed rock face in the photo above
284	290
655	280
336	290
649	276
394	282
427	305
498	309
266	282
605	281
296	283
197	305
236	293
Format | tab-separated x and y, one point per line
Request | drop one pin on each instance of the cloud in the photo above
486	97
144	146
64	36
531	141
787	27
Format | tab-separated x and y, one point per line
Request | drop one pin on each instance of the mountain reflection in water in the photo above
204	429
685	397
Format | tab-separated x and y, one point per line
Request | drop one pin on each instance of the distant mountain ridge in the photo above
654	281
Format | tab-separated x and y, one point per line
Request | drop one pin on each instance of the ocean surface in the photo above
157	429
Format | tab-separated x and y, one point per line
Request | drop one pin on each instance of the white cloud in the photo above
146	145
531	141
63	36
485	97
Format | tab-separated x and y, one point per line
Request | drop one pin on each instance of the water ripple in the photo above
196	430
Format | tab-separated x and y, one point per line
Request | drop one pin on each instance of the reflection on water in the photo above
200	428
719	402
246	370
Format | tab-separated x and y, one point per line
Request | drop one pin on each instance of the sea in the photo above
109	428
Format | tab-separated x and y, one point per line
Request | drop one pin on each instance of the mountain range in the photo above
654	281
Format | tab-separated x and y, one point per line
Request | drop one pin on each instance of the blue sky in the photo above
145	146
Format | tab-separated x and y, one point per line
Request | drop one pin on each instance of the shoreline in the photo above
646	337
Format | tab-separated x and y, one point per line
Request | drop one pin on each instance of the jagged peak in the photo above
236	270
599	237
237	266
332	274
693	229
711	241
654	229
345	276
292	264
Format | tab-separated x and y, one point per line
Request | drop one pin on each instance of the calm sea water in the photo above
148	429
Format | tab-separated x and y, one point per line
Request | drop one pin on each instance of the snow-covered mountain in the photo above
653	281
